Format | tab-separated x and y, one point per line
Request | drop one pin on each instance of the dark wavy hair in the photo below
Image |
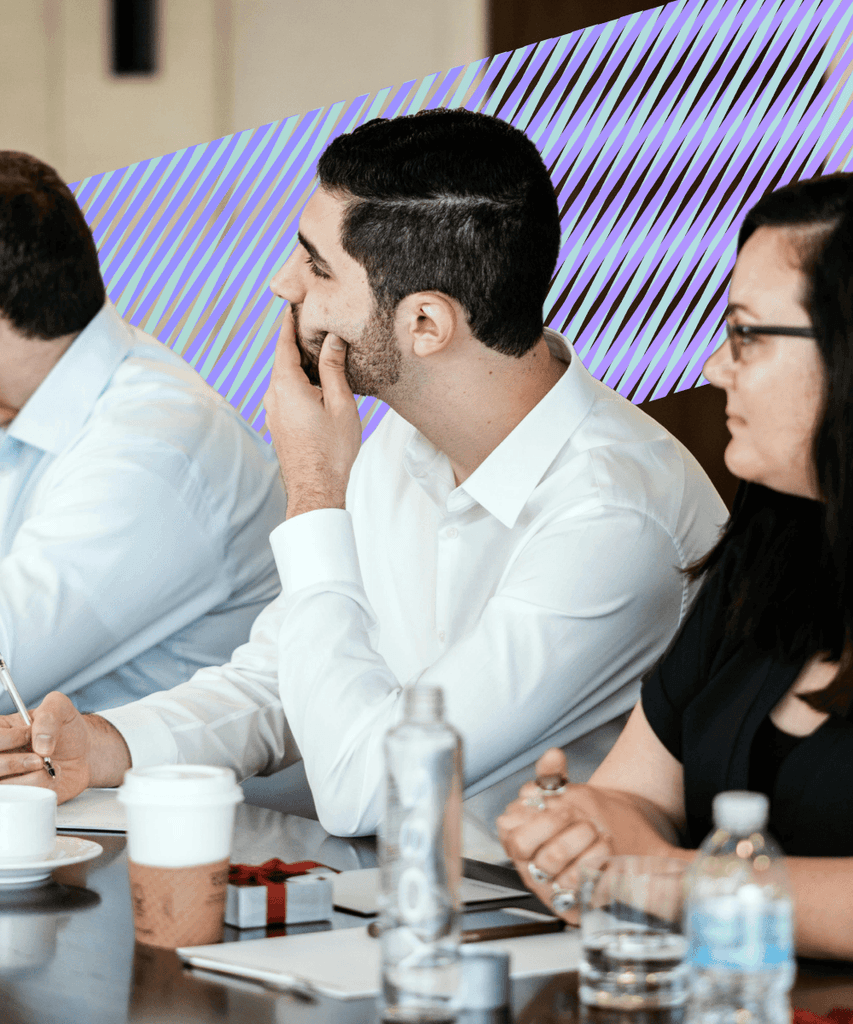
456	202
791	577
50	279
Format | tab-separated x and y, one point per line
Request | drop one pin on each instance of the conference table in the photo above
67	951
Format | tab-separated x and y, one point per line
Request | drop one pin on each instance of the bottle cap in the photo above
483	981
741	812
423	703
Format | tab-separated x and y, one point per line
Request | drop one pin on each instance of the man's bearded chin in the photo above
310	353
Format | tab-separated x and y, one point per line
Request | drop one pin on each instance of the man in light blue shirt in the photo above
135	503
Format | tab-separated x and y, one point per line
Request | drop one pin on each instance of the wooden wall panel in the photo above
514	23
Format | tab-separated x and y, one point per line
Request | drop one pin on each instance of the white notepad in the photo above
358	891
93	810
344	963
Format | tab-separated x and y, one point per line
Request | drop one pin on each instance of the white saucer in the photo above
68	850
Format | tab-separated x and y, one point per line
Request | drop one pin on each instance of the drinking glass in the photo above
633	945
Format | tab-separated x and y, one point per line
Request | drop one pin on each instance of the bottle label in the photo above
415	856
729	933
417	885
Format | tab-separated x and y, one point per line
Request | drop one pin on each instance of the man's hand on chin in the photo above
316	431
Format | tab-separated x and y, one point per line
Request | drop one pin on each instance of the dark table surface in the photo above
67	952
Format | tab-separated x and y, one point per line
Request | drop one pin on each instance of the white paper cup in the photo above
180	823
27	824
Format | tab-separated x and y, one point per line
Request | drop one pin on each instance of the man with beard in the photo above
513	531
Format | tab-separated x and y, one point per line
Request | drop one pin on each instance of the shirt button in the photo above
441	635
452	532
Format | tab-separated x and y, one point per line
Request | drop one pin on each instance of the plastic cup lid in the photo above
179	784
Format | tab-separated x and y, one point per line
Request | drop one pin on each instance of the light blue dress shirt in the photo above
135	513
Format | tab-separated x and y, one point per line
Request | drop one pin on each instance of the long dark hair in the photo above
791	576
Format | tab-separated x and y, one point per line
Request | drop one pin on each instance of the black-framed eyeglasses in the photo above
737	333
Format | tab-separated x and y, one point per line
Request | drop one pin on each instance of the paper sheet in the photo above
93	810
358	891
344	963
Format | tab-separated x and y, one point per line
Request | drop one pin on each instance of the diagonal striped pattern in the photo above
659	130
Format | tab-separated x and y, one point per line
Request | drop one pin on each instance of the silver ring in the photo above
537	874
563	900
552	785
536	802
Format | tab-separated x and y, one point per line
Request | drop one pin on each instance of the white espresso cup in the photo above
27	824
27	941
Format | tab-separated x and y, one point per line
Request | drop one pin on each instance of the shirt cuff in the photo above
148	738
316	548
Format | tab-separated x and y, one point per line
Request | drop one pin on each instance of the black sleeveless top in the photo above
708	701
770	747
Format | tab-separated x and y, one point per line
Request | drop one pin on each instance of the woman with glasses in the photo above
755	692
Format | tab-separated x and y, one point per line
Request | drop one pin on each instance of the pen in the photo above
503	931
12	690
300	989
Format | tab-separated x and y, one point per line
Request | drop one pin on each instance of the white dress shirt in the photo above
536	593
135	512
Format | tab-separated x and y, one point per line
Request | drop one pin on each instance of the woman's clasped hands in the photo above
554	833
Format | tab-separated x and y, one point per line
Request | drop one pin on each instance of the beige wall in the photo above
294	55
61	102
28	80
111	121
225	65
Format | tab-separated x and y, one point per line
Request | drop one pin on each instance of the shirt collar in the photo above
61	404
504	482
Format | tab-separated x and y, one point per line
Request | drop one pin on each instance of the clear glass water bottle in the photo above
420	861
739	919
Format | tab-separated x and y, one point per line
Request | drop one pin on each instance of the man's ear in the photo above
428	322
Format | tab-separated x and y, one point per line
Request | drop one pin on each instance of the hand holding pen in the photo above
12	690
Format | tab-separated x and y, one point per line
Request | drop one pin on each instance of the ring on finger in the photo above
552	785
563	900
537	874
536	802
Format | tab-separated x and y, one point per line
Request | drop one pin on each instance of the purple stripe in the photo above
677	168
535	62
174	181
355	109
480	94
447	83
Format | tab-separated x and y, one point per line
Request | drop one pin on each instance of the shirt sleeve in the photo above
119	553
228	715
683	669
586	603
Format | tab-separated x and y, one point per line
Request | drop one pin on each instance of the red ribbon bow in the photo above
273	874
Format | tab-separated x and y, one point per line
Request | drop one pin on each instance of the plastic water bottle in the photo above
739	920
420	861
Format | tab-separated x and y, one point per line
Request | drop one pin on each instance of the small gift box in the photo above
278	893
